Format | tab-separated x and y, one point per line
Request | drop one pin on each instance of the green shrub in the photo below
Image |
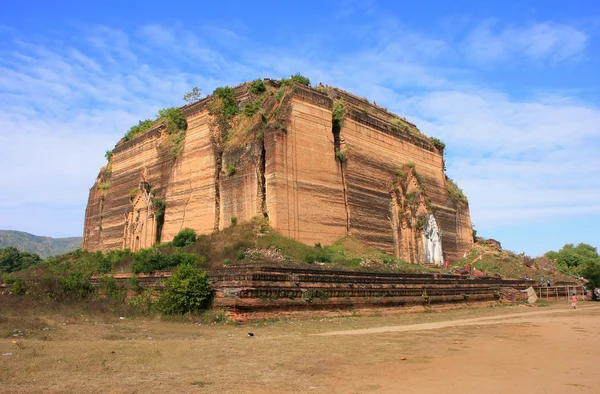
185	237
240	255
257	86
142	125
108	154
338	111
437	143
233	220
77	285
187	291
175	119
455	192
340	156
19	287
150	260
251	108
302	80
400	173
279	94
227	262
230	169
228	100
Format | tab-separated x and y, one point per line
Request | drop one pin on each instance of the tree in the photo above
193	96
185	237
186	291
572	257
11	260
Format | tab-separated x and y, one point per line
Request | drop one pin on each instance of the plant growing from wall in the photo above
341	156
437	143
257	86
108	154
296	78
193	95
159	206
455	192
230	169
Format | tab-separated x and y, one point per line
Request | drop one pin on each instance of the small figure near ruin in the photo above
574	301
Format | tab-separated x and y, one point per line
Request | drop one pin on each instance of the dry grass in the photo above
91	353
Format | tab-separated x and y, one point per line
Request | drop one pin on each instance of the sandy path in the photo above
512	318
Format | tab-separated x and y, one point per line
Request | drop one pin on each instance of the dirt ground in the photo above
545	349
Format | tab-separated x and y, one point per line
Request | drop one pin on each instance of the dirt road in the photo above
494	350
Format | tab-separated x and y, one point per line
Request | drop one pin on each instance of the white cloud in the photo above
542	41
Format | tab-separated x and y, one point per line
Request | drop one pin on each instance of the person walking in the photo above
574	301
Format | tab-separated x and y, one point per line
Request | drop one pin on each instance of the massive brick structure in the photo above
319	163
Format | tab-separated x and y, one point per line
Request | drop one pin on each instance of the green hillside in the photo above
43	246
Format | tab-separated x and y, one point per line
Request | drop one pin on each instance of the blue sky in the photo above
512	88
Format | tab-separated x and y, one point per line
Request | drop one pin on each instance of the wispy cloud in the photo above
547	42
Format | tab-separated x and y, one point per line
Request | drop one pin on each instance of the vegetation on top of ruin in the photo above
193	95
455	192
176	125
437	143
257	86
508	264
296	78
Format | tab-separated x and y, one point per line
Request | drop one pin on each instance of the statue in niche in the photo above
432	242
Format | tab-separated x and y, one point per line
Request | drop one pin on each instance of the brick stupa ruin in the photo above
320	163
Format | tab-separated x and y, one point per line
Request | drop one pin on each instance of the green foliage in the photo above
187	291
571	257
341	156
111	289
104	185
193	95
437	143
400	172
279	95
230	169
297	78
19	287
107	262
185	237
175	119
227	261
134	283
142	125
229	105
338	111
77	285
257	86
233	220
160	207
11	260
133	192
411	164
240	255
455	192
419	178
410	196
150	260
108	154
251	108
591	272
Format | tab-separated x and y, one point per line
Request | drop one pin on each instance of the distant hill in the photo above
43	246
